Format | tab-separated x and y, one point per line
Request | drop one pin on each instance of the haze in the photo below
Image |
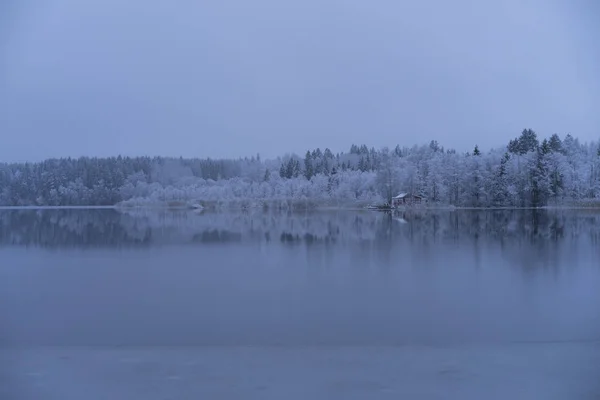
235	78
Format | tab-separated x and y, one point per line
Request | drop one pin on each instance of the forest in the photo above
528	172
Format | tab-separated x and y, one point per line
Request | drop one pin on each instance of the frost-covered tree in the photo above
526	173
388	176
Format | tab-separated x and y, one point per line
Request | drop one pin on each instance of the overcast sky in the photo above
236	77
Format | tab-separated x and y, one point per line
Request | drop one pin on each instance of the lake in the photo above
322	304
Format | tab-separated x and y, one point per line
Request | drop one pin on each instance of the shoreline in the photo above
8	208
164	207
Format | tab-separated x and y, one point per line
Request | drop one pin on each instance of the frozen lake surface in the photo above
97	304
518	371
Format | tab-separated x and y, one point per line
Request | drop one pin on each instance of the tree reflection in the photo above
529	237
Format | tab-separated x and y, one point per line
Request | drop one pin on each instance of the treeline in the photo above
104	181
527	172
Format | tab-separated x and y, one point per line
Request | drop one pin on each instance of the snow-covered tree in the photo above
525	173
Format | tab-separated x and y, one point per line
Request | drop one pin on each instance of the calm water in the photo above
101	277
97	304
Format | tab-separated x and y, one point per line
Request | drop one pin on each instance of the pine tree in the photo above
362	165
513	146
545	147
289	169
540	182
308	166
296	169
525	143
528	141
555	144
500	184
283	170
398	151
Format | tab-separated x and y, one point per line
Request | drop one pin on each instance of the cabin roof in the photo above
403	195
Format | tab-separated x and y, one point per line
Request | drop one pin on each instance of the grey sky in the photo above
232	78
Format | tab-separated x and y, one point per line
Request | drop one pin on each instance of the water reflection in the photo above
71	228
321	277
528	238
111	228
